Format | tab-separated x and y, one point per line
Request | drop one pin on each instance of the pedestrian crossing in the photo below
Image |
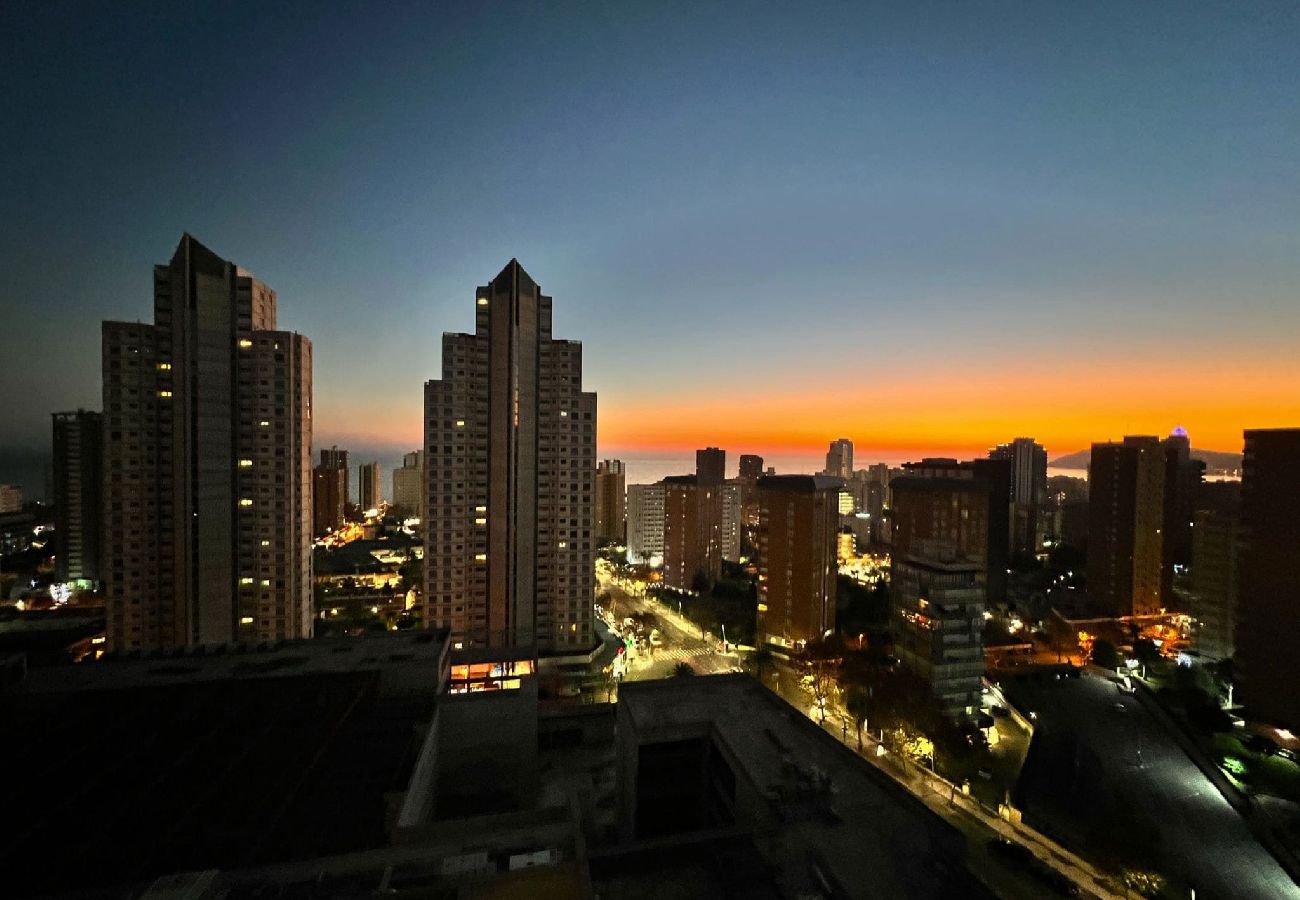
681	653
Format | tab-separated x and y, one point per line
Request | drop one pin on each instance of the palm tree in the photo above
681	670
857	700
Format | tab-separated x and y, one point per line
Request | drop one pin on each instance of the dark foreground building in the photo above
1268	592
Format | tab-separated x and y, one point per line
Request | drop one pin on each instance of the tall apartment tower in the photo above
1183	477
1214	580
711	465
692	532
839	459
78	482
799	524
207	464
964	504
731	527
1028	461
369	486
1268	591
645	524
328	499
338	459
1126	496
751	466
408	483
611	501
510	447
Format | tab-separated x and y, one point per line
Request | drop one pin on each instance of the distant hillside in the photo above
1216	461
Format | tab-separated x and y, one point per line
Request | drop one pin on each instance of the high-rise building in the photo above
799	524
78	482
692	532
338	459
207	464
328	499
751	466
711	465
510	446
408	483
645	524
839	459
733	527
369	490
939	623
611	501
1126	483
1183	477
11	498
962	503
1268	590
1028	461
1215	534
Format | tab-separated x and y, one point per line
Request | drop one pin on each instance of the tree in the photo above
1145	652
857	700
761	660
1104	654
682	670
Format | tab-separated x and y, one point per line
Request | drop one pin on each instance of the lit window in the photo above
266	582
245	620
563	544
482	301
480	557
480	521
164	393
245	501
164	367
246	580
480	509
245	463
266	543
265	423
563	414
245	343
460	423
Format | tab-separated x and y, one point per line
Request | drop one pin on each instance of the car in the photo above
986	774
1287	753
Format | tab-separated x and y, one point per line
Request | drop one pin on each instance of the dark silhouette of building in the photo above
510	441
329	493
1028	461
207	464
369	486
1268	577
611	501
799	523
711	465
839	459
1183	477
1125	517
78	497
751	466
339	460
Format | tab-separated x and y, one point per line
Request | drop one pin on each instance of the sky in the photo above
925	227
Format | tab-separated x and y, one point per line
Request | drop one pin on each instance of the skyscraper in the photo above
1028	461
799	524
732	526
611	501
369	486
1183	476
78	481
328	498
408	483
510	444
645	523
207	463
839	459
751	466
1215	537
1268	591
711	465
1125	514
338	459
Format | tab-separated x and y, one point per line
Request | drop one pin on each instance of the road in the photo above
682	641
1098	776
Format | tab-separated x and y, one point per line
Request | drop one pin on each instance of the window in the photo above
245	463
245	501
164	393
245	343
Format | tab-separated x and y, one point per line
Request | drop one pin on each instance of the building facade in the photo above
1183	477
751	466
645	524
338	459
692	532
1268	590
369	486
11	498
510	446
798	531
1028	461
1125	517
408	483
732	528
1214	581
207	464
939	623
711	465
328	499
78	498
611	501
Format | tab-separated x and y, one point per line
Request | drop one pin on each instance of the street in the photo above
681	639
